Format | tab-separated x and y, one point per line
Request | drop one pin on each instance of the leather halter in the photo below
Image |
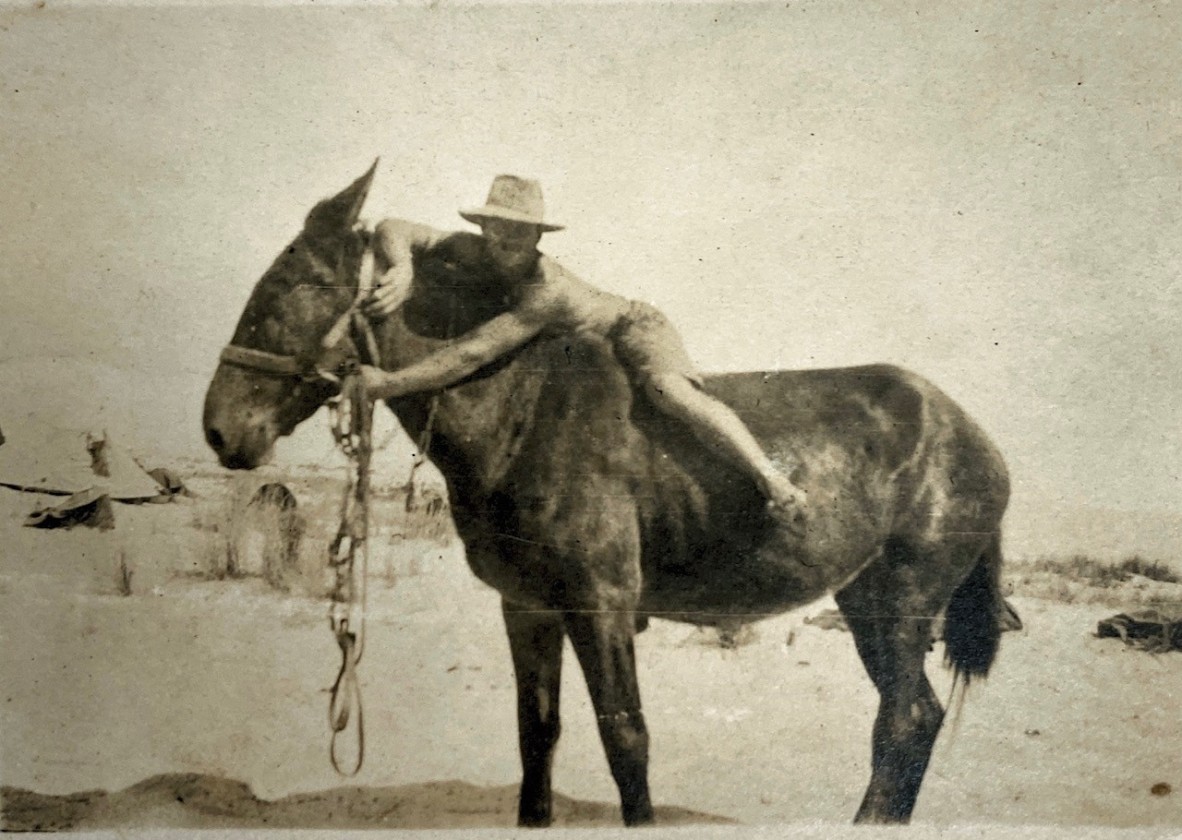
276	364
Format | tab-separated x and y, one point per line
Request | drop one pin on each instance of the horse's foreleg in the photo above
892	635
535	640
603	643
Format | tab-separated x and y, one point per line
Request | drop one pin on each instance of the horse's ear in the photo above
339	213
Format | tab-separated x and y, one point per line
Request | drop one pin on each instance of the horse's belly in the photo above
715	587
746	591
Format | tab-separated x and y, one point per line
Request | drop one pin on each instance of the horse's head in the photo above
266	384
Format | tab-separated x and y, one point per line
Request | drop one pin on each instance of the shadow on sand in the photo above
193	800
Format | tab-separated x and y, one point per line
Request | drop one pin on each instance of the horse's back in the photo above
875	448
818	410
882	415
590	454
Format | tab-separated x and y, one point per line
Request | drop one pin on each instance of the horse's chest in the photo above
549	569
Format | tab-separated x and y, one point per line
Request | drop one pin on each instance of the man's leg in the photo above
717	426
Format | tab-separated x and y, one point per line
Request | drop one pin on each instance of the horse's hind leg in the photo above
535	640
890	614
603	643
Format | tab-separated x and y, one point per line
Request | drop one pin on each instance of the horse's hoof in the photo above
539	822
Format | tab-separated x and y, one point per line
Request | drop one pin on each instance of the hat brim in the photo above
479	214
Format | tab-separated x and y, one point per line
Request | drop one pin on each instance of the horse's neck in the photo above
473	428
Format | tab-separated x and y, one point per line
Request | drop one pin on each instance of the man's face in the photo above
513	246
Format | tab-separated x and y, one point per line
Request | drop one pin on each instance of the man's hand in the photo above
389	291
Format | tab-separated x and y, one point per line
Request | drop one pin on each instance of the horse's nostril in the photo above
214	438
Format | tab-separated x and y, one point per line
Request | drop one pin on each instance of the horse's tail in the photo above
972	622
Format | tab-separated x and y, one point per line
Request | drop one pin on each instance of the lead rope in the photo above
351	422
352	428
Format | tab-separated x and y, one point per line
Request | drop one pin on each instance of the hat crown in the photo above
514	199
520	195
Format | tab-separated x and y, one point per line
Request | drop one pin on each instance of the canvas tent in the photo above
87	467
67	461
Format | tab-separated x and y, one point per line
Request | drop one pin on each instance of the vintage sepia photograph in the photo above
732	420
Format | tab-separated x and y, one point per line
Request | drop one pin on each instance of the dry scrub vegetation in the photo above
1080	579
247	533
288	548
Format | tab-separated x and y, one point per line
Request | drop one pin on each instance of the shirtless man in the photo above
554	301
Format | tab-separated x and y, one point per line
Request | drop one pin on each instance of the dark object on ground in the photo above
170	483
1152	630
1009	618
828	620
91	508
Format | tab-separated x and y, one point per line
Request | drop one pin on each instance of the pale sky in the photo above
991	198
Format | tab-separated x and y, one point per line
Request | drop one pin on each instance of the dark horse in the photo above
590	512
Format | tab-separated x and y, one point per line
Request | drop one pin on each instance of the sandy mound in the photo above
191	800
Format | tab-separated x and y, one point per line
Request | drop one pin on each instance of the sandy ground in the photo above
197	703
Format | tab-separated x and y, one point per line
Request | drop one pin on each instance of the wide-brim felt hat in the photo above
513	199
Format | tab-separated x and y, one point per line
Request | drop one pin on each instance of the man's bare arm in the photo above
456	361
395	241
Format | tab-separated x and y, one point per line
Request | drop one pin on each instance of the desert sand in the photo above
201	703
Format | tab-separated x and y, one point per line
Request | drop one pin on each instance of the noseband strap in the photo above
261	361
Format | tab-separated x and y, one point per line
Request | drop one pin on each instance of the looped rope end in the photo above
345	697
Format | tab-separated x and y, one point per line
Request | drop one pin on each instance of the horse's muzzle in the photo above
240	419
238	446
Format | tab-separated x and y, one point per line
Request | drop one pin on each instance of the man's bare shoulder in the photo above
394	228
420	237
